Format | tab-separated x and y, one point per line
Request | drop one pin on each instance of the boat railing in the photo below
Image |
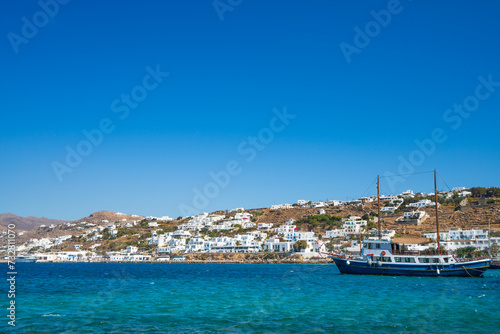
469	259
417	253
342	256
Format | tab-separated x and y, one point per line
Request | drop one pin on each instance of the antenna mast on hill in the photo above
437	215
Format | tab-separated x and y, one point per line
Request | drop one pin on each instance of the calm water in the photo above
196	298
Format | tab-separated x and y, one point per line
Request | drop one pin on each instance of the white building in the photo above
195	245
287	228
181	234
131	249
63	256
244	219
336	233
258	235
289	233
413	217
264	226
353	225
237	209
275	245
281	206
95	237
458	238
423	203
199	222
386	234
238	244
388	209
366	199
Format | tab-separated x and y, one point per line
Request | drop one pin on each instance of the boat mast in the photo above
437	215
489	238
378	208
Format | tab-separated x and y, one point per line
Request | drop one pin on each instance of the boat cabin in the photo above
376	247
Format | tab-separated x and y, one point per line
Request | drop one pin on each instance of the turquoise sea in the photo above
244	298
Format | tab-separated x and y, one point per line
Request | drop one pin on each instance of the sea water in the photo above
244	298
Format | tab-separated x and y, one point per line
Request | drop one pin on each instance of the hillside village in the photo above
302	230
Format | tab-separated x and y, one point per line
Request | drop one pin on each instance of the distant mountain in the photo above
26	223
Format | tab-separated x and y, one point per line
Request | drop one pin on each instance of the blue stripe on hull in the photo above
460	269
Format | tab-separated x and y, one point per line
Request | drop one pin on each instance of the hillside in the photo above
26	223
477	216
472	214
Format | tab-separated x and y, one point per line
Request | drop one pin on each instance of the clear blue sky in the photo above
353	120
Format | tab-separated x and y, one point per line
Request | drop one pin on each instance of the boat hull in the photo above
360	267
29	260
495	265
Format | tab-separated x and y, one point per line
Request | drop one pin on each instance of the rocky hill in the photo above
32	226
26	223
99	216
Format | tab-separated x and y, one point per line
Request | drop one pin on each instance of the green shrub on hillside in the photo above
320	221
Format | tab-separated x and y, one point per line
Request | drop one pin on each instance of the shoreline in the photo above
190	262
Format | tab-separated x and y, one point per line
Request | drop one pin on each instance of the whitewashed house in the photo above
275	245
131	250
264	226
195	245
336	233
413	217
388	209
457	238
258	235
386	234
423	203
95	237
287	228
353	225
366	199
281	206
